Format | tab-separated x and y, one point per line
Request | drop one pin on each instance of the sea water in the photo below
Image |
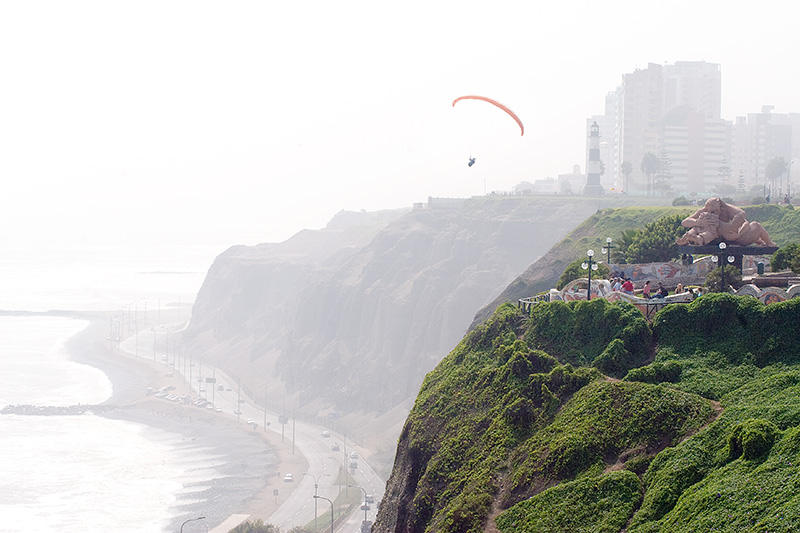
86	472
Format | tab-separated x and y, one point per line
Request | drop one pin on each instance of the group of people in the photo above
661	291
624	284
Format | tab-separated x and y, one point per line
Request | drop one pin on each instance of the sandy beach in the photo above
252	461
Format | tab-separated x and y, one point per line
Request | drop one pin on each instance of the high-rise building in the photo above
758	139
672	111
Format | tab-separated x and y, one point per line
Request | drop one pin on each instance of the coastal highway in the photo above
310	440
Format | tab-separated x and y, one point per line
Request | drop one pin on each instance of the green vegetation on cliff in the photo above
523	424
626	225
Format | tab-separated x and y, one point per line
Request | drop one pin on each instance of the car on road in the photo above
335	447
365	506
237	412
353	455
370	498
288	478
220	387
353	464
326	434
250	420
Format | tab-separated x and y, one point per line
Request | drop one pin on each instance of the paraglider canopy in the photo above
494	103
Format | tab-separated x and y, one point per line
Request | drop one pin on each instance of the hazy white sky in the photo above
244	122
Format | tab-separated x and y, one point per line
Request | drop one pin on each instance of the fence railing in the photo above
526	304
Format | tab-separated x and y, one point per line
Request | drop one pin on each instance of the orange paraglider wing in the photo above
494	103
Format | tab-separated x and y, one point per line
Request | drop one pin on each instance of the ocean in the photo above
87	472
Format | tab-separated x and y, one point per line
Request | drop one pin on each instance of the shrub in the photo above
258	526
752	439
787	258
667	372
598	504
680	200
733	277
580	333
716	322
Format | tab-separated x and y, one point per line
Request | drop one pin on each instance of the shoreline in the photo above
252	459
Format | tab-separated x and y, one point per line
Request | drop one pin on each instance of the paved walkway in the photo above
231	522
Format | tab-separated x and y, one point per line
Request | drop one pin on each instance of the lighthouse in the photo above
593	187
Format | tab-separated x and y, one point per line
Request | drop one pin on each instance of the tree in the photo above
523	187
626	170
574	271
663	178
624	243
740	184
775	169
787	257
733	278
649	167
656	241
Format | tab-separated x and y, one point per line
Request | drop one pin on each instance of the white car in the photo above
250	420
288	478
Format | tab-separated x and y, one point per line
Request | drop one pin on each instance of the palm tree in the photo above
649	167
626	168
775	169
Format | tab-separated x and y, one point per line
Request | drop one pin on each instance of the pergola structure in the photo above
734	250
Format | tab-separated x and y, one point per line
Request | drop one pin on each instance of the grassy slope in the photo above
504	430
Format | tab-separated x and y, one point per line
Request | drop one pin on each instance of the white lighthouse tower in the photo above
593	187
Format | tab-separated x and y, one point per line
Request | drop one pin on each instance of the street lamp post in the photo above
607	250
192	520
330	502
721	259
589	265
365	499
316	486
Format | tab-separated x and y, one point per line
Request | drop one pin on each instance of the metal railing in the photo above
526	304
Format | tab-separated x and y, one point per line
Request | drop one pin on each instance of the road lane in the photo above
323	462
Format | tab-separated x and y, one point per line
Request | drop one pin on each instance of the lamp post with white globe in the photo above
721	259
589	265
607	250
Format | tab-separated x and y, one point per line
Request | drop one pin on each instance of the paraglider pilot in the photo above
471	161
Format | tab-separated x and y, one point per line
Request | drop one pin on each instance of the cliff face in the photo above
351	318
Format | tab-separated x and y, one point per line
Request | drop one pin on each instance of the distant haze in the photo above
245	122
